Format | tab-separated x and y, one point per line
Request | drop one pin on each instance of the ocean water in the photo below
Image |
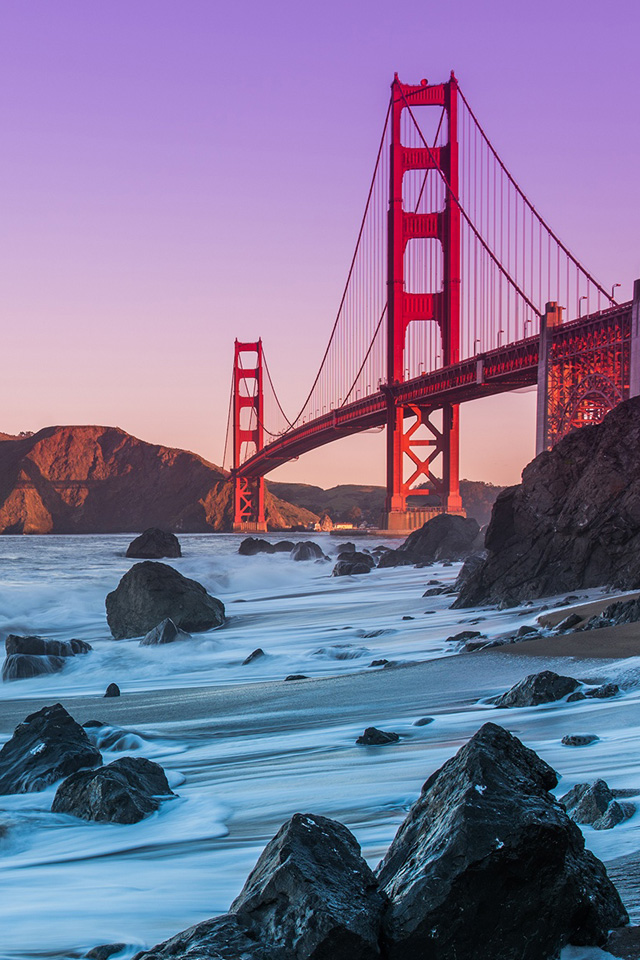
269	750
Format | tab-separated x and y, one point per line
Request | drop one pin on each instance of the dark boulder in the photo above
351	564
487	864
594	804
124	791
38	646
372	737
307	550
348	547
396	558
573	522
113	690
154	544
223	938
312	894
165	632
603	692
283	546
250	546
150	592
296	676
444	537
254	655
544	687
45	747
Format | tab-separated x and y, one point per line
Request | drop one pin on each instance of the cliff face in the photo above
573	522
102	480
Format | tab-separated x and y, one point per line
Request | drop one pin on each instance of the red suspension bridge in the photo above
457	289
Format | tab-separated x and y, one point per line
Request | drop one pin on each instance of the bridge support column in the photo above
410	469
248	492
552	317
634	360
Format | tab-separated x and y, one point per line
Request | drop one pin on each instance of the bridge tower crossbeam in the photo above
414	453
248	436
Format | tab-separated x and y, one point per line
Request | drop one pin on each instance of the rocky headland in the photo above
93	479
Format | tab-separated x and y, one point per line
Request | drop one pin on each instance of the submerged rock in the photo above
35	656
104	951
579	739
353	563
124	791
254	655
47	746
250	546
21	666
372	737
544	687
154	544
594	804
312	893
307	550
487	864
165	632
150	592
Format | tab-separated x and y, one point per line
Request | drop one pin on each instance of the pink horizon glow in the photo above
178	175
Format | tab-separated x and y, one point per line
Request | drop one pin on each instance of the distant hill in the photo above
92	479
356	502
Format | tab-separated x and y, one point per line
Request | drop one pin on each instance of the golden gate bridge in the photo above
457	289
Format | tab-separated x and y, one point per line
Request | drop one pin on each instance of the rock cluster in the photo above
486	864
595	805
151	592
34	656
573	522
154	544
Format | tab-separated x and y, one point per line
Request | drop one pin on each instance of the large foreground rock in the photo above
124	791
45	747
487	864
154	544
573	522
151	592
444	537
313	894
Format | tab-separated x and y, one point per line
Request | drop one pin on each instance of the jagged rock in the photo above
470	567
544	687
154	544
307	550
434	591
444	537
372	737
347	547
150	592
353	563
254	655
47	746
223	938
35	656
573	522
165	632
569	622
124	791
487	864
579	739
313	894
104	951
113	690
37	646
604	691
594	804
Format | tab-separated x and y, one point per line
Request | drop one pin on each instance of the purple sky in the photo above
175	174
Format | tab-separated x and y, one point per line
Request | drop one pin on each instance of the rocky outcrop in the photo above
594	804
312	892
165	632
487	864
444	537
35	656
151	592
45	747
573	522
125	791
352	563
544	687
154	544
307	550
92	479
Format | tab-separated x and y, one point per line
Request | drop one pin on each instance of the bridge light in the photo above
500	332
580	305
613	290
477	340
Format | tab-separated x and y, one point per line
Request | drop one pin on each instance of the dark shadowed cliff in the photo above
102	480
573	522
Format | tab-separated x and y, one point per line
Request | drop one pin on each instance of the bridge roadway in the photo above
507	368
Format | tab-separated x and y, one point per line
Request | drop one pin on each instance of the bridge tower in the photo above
248	419
416	455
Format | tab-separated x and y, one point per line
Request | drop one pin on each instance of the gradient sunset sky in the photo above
176	174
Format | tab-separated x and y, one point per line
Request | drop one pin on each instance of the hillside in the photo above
92	479
343	502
